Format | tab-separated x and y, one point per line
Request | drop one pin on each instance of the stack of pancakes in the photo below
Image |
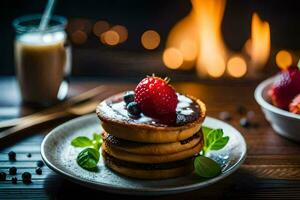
144	148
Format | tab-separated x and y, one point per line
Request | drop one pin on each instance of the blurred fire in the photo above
197	38
260	42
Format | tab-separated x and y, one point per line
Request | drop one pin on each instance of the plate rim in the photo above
145	191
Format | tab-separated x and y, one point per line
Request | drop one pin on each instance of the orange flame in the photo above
198	39
183	37
212	50
260	42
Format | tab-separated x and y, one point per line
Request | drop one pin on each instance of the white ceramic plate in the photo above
60	156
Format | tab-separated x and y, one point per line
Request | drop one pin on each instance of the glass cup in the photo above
42	59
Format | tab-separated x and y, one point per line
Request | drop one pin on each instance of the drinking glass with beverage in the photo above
42	59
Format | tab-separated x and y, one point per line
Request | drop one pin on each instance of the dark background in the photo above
138	16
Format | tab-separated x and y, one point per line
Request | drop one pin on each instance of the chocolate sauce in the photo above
187	111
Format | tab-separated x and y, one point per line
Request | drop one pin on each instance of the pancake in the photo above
151	159
153	149
116	121
148	171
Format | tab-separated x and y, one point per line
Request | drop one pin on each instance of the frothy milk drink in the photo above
40	60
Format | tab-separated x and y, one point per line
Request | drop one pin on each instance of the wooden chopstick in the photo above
72	101
18	130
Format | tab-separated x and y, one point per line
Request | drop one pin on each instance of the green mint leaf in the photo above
88	159
81	141
220	143
96	144
97	137
206	130
97	141
213	139
206	167
213	136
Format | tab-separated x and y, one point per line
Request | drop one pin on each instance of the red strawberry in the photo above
295	105
285	87
156	98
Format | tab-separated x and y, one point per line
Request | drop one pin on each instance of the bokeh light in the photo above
111	37
284	59
78	37
84	25
122	31
150	39
236	66
172	58
217	68
100	27
102	38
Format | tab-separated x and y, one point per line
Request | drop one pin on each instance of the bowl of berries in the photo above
279	98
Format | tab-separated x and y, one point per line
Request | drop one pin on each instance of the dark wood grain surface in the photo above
270	171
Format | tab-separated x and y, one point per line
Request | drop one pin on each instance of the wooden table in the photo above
271	170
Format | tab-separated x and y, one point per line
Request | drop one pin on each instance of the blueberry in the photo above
133	109
29	155
12	155
2	176
128	97
244	122
38	171
251	114
14	180
225	116
26	177
40	163
13	171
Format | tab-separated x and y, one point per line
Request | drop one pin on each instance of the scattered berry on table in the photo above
225	116
40	163
128	97
2	176
250	114
26	177
12	156
133	109
38	171
244	122
14	180
12	170
29	155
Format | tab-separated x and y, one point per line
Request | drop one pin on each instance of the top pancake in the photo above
116	121
114	109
